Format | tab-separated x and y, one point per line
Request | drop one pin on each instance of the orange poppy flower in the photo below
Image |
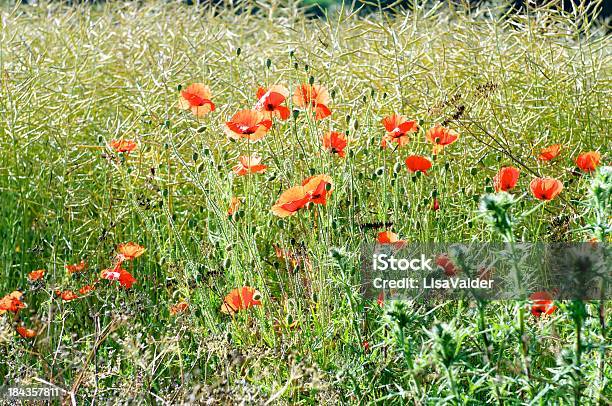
234	205
126	146
588	161
506	179
444	262
441	137
314	96
269	102
119	274
36	275
550	152
542	305
388	237
26	332
399	129
290	201
87	289
66	295
417	163
319	187
249	124
196	97
180	307
12	303
130	250
241	299
545	188
76	267
249	165
335	143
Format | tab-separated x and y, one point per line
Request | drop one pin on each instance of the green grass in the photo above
73	78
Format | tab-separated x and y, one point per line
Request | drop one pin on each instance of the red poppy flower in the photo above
233	207
380	300
365	345
36	275
269	102
290	201
550	152
240	299
335	142
542	305
319	187
588	161
76	267
390	238
506	179
130	250
435	206
66	295
87	289
126	146
444	262
417	163
545	188
12	303
314	96
441	137
196	97
119	274
249	124
180	307
399	129
249	165
26	332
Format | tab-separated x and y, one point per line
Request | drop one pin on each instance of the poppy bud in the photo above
379	171
268	63
295	66
179	88
201	129
436	205
397	167
306	69
100	140
348	118
356	125
365	98
167	123
473	171
194	157
296	114
311	80
434	193
385	95
238	51
291	53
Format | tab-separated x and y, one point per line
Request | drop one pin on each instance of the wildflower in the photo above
180	307
76	267
314	96
269	102
197	98
66	295
441	137
588	161
444	262
233	207
335	142
549	153
36	275
290	201
545	188
249	124
399	129
26	332
435	206
130	250
417	163
319	187
12	303
506	179
87	289
249	165
365	345
240	299
542	304
388	237
121	146
380	300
